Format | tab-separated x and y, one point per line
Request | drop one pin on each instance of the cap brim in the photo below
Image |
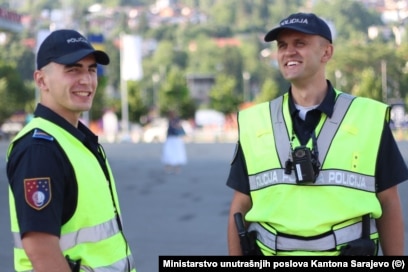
100	57
273	34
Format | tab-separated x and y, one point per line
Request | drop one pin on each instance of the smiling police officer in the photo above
64	207
316	170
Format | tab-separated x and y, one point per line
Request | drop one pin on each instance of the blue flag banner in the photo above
98	42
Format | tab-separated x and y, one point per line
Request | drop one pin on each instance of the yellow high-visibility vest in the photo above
92	234
312	218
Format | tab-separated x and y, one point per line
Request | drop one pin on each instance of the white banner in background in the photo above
131	57
41	35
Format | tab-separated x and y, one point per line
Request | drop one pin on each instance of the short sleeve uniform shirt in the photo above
390	170
37	157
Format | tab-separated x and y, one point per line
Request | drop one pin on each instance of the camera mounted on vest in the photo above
305	163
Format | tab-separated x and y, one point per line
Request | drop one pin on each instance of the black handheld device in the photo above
247	239
74	265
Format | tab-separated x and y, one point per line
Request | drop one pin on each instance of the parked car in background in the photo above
155	131
10	127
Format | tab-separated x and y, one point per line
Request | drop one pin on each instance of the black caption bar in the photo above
264	263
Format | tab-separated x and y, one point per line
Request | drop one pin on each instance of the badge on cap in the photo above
37	192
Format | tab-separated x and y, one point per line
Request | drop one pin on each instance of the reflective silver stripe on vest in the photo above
91	234
281	134
331	125
325	136
120	266
326	177
328	242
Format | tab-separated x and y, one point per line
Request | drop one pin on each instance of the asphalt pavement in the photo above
165	214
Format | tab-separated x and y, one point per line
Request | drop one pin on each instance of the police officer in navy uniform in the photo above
49	183
304	45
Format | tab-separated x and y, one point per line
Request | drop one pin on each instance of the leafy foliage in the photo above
14	95
268	92
174	94
222	96
195	48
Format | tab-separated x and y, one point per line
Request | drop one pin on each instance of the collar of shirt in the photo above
82	133
304	128
326	107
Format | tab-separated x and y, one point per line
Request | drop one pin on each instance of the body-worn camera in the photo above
305	164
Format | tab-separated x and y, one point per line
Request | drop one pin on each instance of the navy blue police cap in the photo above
307	23
66	46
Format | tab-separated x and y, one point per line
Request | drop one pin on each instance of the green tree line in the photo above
244	72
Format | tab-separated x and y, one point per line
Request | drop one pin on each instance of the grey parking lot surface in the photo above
165	214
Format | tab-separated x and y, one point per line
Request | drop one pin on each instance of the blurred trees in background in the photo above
244	71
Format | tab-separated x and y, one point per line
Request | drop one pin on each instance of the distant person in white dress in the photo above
174	152
110	125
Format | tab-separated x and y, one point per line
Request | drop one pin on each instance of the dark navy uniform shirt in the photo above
390	170
38	156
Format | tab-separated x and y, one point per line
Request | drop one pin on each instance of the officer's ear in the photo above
39	79
328	50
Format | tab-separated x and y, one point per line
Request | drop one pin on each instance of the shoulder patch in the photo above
40	134
37	192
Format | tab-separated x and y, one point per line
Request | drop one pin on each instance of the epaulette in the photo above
40	134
